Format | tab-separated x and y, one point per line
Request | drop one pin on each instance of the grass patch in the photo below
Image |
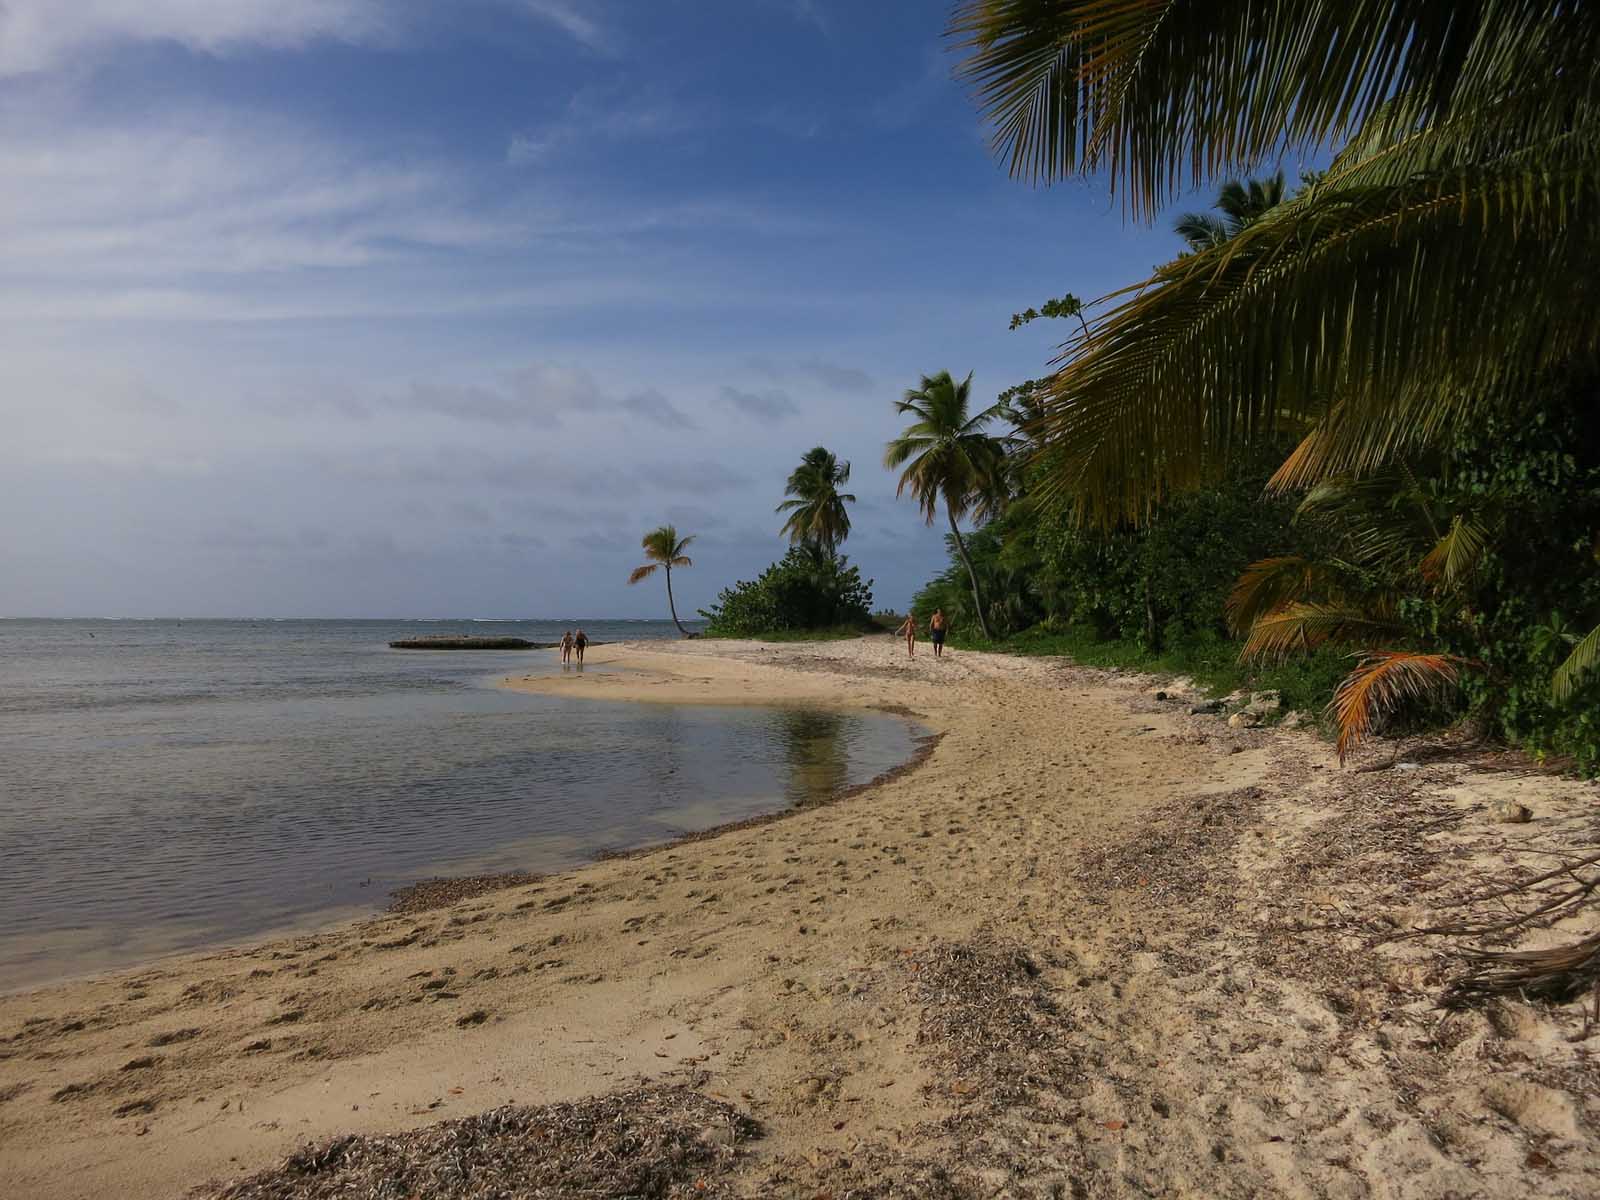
1212	662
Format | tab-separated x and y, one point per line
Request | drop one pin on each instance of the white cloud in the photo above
579	25
594	116
36	35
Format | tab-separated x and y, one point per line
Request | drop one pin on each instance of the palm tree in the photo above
664	548
1438	271
951	460
817	512
1241	205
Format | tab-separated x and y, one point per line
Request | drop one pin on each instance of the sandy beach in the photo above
1090	945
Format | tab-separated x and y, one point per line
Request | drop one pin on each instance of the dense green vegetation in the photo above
1354	420
810	591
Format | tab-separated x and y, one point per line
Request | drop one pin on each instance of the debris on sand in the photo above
442	893
654	1143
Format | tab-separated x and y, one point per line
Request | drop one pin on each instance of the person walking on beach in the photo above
909	632
936	630
566	647
579	641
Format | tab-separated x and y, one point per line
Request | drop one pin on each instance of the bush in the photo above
807	590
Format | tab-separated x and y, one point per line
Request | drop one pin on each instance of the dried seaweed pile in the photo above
988	1020
651	1143
1178	851
442	893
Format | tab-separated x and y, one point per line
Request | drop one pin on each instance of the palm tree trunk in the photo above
977	594
673	607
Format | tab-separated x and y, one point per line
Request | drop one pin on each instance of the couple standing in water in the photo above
938	625
573	644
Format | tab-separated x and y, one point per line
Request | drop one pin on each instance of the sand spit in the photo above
1092	946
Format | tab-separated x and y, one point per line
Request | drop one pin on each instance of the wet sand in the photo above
1092	942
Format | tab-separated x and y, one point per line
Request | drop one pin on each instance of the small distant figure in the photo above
937	624
566	647
579	641
909	631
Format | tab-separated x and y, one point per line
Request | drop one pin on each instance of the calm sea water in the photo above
172	784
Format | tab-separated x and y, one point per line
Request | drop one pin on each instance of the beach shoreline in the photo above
1100	861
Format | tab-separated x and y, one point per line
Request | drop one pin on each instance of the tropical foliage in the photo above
664	549
949	460
810	588
1434	274
816	507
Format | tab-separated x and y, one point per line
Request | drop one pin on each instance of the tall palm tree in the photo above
1437	271
817	512
664	548
1241	205
951	460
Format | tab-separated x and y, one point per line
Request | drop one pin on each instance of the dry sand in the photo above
1091	946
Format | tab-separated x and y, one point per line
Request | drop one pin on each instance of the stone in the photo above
1293	721
1266	701
1208	706
1509	812
1245	718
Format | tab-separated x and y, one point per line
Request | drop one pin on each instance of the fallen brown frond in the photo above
1557	975
1384	682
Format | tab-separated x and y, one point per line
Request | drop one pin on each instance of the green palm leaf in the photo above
1582	660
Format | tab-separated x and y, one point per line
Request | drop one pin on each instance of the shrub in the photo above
808	589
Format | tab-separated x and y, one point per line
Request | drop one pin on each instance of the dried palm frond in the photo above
1384	682
1556	975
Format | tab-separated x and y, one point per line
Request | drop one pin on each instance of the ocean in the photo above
171	785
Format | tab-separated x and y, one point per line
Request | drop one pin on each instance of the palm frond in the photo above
1270	584
1582	660
643	572
1382	683
1395	300
1301	626
1160	94
1457	553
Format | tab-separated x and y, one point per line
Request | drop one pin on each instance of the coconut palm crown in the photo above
665	549
817	512
949	460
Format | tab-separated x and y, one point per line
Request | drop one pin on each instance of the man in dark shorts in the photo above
579	641
936	630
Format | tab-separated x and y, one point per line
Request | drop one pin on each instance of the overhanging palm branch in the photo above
1396	300
1302	626
1163	94
1268	585
1583	658
1384	682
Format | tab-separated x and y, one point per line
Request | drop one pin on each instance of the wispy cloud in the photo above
36	35
775	404
577	24
601	117
541	394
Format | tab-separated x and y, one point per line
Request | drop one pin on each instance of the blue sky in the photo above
412	308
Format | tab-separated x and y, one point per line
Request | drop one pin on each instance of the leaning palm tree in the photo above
664	548
1437	271
951	461
817	513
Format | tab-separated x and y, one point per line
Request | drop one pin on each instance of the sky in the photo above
431	308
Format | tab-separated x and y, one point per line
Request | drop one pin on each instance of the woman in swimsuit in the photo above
566	647
909	632
936	628
579	641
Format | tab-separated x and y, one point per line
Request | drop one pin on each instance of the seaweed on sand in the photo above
653	1143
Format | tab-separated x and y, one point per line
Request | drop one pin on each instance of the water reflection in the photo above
817	754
